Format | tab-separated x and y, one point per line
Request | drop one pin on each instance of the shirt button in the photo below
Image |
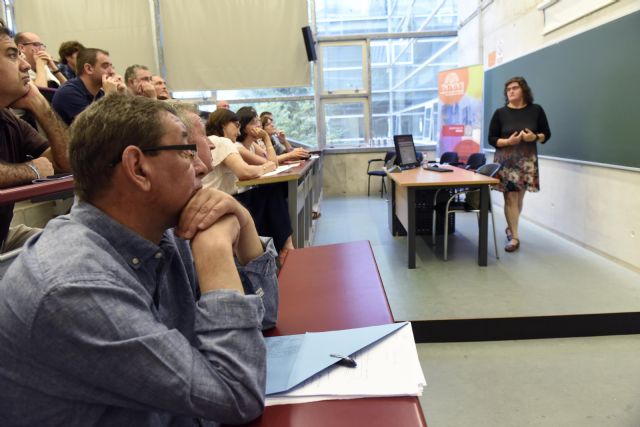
158	255
135	261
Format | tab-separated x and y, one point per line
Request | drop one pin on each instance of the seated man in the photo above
284	150
109	317
162	92
25	155
223	104
96	77
138	81
44	71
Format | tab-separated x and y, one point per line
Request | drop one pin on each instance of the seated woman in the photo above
267	203
289	154
228	166
255	145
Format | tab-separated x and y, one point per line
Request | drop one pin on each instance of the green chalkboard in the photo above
589	86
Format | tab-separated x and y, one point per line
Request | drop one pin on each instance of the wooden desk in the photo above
304	183
50	190
333	287
403	201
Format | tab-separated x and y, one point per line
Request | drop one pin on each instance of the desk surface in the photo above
327	288
26	192
324	288
289	175
419	177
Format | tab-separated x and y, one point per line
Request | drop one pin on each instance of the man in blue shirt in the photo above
96	77
144	305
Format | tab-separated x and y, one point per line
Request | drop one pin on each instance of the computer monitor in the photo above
405	151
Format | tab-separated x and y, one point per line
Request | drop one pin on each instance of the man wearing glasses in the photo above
143	306
138	79
44	71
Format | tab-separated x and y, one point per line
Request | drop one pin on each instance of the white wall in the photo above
595	206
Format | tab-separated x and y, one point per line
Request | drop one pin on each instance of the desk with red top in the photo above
327	288
48	190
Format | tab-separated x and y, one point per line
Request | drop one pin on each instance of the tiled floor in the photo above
556	382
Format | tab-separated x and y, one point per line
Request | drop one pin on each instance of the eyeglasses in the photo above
35	44
186	151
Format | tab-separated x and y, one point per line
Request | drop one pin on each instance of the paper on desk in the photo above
279	169
389	367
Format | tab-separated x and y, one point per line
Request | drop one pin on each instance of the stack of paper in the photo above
300	367
280	169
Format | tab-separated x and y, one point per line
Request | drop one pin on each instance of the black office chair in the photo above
456	204
449	157
378	172
475	160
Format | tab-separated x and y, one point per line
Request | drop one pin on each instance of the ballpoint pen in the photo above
345	361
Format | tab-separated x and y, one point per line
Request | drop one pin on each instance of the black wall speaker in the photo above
309	44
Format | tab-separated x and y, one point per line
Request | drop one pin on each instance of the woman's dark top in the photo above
519	162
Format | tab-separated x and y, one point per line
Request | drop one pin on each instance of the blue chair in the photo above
378	172
475	161
449	157
455	204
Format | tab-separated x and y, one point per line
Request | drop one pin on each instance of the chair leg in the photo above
446	228
433	226
369	186
433	216
495	242
383	189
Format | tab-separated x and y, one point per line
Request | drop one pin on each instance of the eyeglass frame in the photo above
39	45
191	149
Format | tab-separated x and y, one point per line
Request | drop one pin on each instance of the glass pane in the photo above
344	124
265	93
379	53
380	127
296	118
342	68
380	78
340	17
380	103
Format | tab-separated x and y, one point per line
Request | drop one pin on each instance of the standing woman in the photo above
514	131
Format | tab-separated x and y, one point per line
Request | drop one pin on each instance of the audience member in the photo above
110	317
227	164
138	80
162	92
267	203
44	71
68	52
223	104
254	141
96	77
284	150
20	142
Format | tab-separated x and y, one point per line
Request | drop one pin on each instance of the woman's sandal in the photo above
508	233
512	247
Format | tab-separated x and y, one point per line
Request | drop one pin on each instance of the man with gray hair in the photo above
144	306
138	79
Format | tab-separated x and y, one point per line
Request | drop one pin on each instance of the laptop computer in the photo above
405	151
